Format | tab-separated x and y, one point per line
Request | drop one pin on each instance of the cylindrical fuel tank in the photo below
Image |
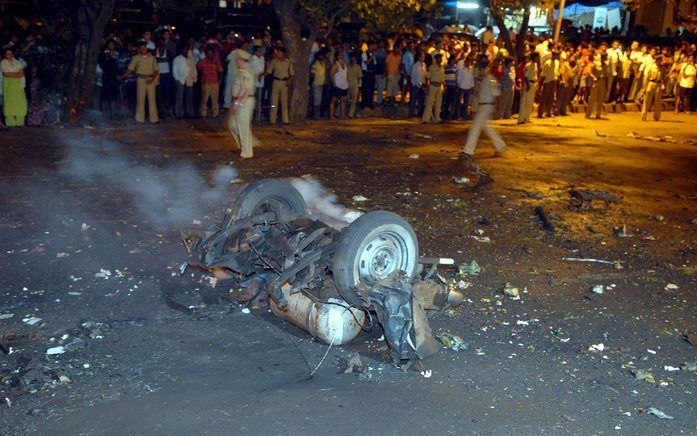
334	322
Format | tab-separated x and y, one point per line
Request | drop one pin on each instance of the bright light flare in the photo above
467	5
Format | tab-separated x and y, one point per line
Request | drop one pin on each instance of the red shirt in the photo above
208	71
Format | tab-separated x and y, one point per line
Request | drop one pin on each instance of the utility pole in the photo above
557	27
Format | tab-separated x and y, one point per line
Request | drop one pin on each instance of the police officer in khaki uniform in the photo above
145	66
242	104
281	69
488	91
434	99
653	89
599	76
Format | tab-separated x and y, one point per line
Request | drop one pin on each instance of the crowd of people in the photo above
439	78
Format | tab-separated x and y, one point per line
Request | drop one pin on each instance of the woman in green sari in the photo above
14	97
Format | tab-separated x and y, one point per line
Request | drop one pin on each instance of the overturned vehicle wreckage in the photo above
328	282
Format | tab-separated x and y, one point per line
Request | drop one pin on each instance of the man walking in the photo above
488	91
282	71
242	106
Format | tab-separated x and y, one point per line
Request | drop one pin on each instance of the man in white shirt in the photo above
613	57
686	84
549	78
417	77
529	87
465	84
488	92
185	75
646	61
257	66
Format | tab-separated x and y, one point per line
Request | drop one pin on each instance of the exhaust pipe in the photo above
335	322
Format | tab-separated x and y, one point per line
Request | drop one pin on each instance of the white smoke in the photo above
323	204
171	195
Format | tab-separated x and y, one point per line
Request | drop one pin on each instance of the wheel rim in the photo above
384	253
276	205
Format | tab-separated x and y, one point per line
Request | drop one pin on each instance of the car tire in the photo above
269	194
371	248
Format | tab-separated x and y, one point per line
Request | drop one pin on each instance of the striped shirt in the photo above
450	76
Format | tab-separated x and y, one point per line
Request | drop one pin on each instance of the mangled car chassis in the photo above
325	281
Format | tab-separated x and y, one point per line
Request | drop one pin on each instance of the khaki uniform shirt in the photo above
531	71
436	75
566	73
652	73
354	75
319	73
281	69
144	66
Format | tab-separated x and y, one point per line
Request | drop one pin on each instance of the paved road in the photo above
174	356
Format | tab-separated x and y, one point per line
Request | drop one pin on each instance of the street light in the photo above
467	5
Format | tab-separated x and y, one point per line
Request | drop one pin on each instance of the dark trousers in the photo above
326	99
547	98
416	100
184	101
449	100
563	95
368	89
463	102
165	92
623	92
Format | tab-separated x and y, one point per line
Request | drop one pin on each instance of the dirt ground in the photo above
162	354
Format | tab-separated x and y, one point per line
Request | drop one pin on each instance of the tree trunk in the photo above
503	30
522	34
292	19
92	17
